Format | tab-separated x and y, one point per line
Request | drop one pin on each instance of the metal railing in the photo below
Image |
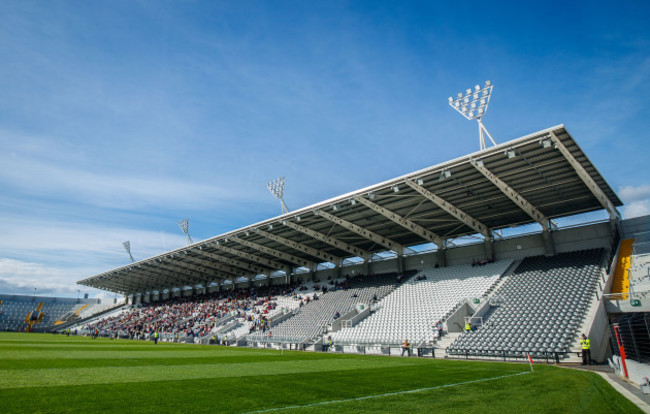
536	356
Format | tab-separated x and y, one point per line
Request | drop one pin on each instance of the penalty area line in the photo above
388	394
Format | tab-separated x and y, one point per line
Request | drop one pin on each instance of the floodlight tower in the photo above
473	105
127	247
184	224
276	187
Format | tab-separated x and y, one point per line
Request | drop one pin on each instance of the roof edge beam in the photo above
586	178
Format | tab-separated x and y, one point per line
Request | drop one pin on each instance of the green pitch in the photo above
47	373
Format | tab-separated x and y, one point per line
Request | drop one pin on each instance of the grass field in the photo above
47	373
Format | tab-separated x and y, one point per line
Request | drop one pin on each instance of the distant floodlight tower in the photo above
127	247
473	105
276	187
184	224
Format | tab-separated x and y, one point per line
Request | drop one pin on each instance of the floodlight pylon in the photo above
473	104
184	224
127	247
276	187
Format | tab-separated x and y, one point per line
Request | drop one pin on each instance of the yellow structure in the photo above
621	282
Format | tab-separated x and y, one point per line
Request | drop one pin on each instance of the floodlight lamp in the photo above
371	196
127	247
545	143
297	218
447	173
479	163
473	105
276	187
460	95
270	226
451	99
510	153
420	181
395	188
353	201
335	207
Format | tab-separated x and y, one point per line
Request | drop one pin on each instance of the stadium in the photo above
375	300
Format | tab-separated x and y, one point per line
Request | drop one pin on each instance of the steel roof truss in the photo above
513	195
329	240
586	178
218	269
272	264
301	247
298	261
404	222
468	220
372	236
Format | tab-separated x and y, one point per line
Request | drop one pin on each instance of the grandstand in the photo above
373	267
39	314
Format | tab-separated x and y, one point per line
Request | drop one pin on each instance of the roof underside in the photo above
398	216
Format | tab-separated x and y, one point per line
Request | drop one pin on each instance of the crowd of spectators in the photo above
193	316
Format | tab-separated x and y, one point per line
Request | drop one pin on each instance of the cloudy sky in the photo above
118	118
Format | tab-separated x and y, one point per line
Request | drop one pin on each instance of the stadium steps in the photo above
444	342
621	282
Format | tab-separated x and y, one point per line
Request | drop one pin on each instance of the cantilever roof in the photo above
390	215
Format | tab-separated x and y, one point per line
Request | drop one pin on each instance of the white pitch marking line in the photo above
388	394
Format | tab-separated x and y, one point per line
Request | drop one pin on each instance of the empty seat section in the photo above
411	310
311	320
540	306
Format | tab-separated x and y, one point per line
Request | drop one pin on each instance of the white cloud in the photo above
637	209
53	256
630	194
112	190
636	199
21	277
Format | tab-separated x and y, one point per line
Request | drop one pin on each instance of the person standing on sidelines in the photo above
585	343
406	347
155	338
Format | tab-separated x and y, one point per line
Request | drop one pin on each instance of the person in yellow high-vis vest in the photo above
585	343
468	326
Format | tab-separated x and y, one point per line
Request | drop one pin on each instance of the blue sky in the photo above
119	118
